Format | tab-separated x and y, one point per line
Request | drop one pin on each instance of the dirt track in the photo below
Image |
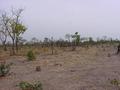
84	69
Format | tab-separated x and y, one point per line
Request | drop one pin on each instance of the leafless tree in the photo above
68	36
4	20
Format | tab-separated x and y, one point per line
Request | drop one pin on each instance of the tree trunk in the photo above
13	47
52	48
16	44
4	46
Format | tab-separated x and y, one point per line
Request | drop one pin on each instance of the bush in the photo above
115	82
31	55
4	69
28	86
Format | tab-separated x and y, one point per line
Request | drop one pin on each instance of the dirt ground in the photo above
84	69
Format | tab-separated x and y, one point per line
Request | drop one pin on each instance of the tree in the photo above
4	20
52	45
68	36
3	38
20	29
84	39
16	28
22	41
46	41
34	40
91	40
76	40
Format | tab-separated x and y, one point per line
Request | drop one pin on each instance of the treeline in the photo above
73	40
66	42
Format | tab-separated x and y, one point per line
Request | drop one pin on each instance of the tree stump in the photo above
38	68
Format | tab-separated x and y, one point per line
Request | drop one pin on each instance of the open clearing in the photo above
84	69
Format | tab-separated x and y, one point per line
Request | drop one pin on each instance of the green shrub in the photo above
29	86
115	82
4	69
25	86
31	55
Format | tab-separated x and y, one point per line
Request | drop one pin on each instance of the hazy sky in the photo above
46	18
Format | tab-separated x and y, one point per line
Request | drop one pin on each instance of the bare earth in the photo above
83	69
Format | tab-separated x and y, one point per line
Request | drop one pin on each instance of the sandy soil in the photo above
84	69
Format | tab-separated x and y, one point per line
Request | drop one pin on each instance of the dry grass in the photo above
83	69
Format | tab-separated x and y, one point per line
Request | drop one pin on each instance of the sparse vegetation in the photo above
4	69
76	40
115	82
28	86
31	55
76	61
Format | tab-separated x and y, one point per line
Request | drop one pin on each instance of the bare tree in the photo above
34	41
3	38
4	20
46	42
68	36
22	41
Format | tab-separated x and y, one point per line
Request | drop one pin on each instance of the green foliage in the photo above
17	28
25	86
91	40
20	29
76	38
37	86
29	86
4	69
115	82
31	55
